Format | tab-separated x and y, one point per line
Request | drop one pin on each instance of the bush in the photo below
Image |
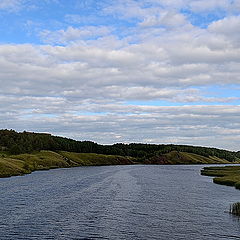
235	209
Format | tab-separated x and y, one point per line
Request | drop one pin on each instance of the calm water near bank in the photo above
117	202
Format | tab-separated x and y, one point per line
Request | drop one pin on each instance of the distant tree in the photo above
15	149
27	142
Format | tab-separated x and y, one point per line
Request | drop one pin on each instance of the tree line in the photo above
27	142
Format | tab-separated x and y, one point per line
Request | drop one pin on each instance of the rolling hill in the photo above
22	153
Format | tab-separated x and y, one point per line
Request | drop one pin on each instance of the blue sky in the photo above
122	71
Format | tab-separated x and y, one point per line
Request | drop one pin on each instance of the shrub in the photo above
235	208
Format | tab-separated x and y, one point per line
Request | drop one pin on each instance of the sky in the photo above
108	71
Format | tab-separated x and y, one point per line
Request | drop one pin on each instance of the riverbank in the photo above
14	165
228	175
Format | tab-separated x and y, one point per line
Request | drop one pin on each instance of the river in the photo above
117	202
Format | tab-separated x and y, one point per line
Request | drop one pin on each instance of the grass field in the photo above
228	175
93	159
176	157
26	163
13	165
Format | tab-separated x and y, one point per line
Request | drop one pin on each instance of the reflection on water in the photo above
117	202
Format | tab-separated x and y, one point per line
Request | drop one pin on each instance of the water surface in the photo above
117	202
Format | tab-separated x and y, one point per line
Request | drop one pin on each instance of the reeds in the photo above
235	208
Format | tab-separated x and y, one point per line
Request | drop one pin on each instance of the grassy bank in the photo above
93	159
13	165
175	157
228	175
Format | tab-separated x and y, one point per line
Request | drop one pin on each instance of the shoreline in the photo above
22	164
224	175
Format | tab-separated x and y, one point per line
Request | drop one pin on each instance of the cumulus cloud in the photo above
228	28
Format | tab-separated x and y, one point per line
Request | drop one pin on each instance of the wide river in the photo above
117	202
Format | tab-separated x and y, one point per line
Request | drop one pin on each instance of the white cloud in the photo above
210	5
166	19
199	125
11	5
228	28
140	68
146	8
72	34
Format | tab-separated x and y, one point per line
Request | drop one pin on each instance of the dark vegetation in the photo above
27	142
22	153
235	209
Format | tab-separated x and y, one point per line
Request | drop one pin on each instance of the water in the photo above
117	202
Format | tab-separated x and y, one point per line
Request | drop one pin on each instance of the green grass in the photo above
42	160
175	157
228	175
93	159
13	165
26	163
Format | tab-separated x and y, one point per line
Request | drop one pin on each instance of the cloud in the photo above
79	19
74	18
120	81
22	5
144	8
228	28
73	34
208	6
139	71
11	5
166	19
199	125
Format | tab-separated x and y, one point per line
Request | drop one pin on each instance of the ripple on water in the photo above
117	202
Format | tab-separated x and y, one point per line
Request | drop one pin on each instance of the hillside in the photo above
175	157
20	164
27	142
22	153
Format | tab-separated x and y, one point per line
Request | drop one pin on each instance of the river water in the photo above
117	202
